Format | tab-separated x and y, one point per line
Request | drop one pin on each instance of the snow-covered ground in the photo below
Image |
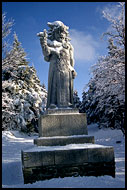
13	142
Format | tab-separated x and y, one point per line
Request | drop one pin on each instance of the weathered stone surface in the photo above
37	158
67	155
71	156
47	172
63	124
104	155
61	111
46	162
63	140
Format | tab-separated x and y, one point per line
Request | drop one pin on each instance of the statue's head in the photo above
58	31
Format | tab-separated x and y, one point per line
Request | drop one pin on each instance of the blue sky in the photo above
86	26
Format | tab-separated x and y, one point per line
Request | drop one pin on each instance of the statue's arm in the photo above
72	61
71	56
45	49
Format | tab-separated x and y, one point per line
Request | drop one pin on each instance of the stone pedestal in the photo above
63	140
62	122
40	163
64	148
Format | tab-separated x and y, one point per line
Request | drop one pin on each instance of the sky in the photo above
86	26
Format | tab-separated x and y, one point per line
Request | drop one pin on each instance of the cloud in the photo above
84	45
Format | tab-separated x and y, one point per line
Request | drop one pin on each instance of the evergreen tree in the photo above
76	99
84	102
22	93
88	106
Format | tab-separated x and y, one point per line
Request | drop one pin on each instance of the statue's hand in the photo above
74	74
43	37
45	34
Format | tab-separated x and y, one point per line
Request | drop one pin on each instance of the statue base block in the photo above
63	140
45	162
62	122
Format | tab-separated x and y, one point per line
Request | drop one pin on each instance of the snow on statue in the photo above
58	50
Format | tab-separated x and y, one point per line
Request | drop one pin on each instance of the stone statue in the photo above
58	50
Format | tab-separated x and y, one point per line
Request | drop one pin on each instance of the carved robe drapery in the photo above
60	82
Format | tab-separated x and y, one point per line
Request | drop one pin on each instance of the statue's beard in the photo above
58	42
63	42
61	39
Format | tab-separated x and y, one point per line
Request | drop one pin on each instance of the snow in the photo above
54	43
66	147
14	141
56	23
56	49
65	137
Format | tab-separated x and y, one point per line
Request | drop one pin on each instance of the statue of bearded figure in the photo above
57	50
